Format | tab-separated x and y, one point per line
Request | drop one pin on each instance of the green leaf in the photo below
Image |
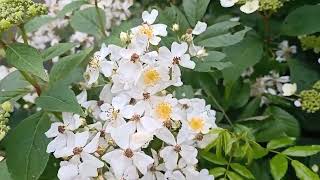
225	39
13	81
12	95
56	50
299	70
308	22
251	108
74	5
216	29
281	142
258	150
195	9
13	87
4	172
184	91
26	147
303	172
242	55
286	125
242	170
172	15
233	176
212	61
216	172
36	23
213	158
87	21
278	166
26	58
63	69
59	98
302	151
114	37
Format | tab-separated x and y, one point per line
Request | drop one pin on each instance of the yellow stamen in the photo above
147	30
151	77
164	110
196	124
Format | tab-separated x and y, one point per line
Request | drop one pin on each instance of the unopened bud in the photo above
125	37
175	27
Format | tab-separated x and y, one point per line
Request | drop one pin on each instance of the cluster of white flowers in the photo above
249	7
273	84
134	112
116	11
285	51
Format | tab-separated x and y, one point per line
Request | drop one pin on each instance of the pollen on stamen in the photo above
196	124
164	110
151	77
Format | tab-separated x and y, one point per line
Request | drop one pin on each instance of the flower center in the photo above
95	63
135	117
146	30
77	150
146	96
196	123
199	137
61	129
176	60
151	77
128	153
164	110
177	148
135	57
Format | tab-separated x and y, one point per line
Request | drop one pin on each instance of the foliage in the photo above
265	92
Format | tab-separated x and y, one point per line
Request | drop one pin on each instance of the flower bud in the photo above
175	27
125	37
7	106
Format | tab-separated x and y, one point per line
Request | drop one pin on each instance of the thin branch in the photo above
100	20
23	34
221	109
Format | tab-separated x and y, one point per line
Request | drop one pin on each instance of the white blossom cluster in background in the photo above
134	111
249	7
285	51
273	84
46	35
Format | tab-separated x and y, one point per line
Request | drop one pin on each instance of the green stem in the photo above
29	78
32	81
281	153
228	166
23	34
221	109
100	20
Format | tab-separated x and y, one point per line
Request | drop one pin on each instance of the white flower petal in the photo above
250	6
93	145
186	62
150	17
159	29
68	172
170	157
179	49
81	139
165	135
199	28
106	68
289	89
228	3
142	161
189	154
